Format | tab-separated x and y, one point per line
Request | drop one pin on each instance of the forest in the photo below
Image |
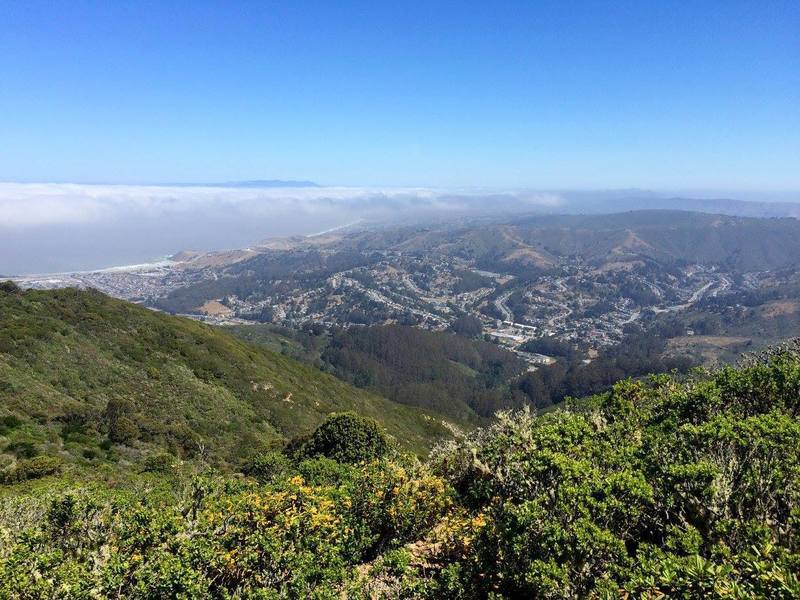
639	353
458	373
448	373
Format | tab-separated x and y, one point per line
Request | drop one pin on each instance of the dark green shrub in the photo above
62	513
123	431
9	287
24	448
347	438
9	422
295	446
35	468
158	463
90	453
325	471
76	420
119	416
268	467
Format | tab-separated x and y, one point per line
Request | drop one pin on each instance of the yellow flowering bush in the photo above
397	503
273	538
656	489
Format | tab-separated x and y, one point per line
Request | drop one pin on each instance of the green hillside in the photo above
86	378
669	487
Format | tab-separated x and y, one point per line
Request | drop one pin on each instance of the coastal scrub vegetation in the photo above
668	486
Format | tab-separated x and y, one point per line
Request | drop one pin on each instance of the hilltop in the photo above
91	380
665	236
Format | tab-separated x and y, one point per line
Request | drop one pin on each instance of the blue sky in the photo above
662	95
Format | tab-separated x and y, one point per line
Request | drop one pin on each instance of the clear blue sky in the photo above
693	94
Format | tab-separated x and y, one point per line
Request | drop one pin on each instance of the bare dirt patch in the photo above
526	253
619	266
631	242
778	308
721	341
528	256
214	308
710	347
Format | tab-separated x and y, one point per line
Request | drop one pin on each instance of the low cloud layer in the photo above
61	227
47	228
32	205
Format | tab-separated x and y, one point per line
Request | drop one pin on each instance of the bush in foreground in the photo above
347	438
686	488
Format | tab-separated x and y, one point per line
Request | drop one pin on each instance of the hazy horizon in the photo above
52	228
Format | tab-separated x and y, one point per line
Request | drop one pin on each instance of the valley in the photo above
382	412
582	280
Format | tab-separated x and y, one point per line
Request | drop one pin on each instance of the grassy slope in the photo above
64	354
742	328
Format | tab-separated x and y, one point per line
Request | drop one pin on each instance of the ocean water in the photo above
87	246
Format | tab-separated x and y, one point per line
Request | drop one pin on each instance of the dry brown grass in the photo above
720	341
779	307
213	308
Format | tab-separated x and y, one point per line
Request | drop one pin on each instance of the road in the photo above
500	305
634	315
696	296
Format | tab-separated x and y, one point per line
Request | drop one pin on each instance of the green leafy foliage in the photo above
658	488
347	438
268	466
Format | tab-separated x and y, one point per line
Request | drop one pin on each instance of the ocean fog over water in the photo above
51	228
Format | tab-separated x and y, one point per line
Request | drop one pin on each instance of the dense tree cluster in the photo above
550	346
469	281
448	373
468	326
638	354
